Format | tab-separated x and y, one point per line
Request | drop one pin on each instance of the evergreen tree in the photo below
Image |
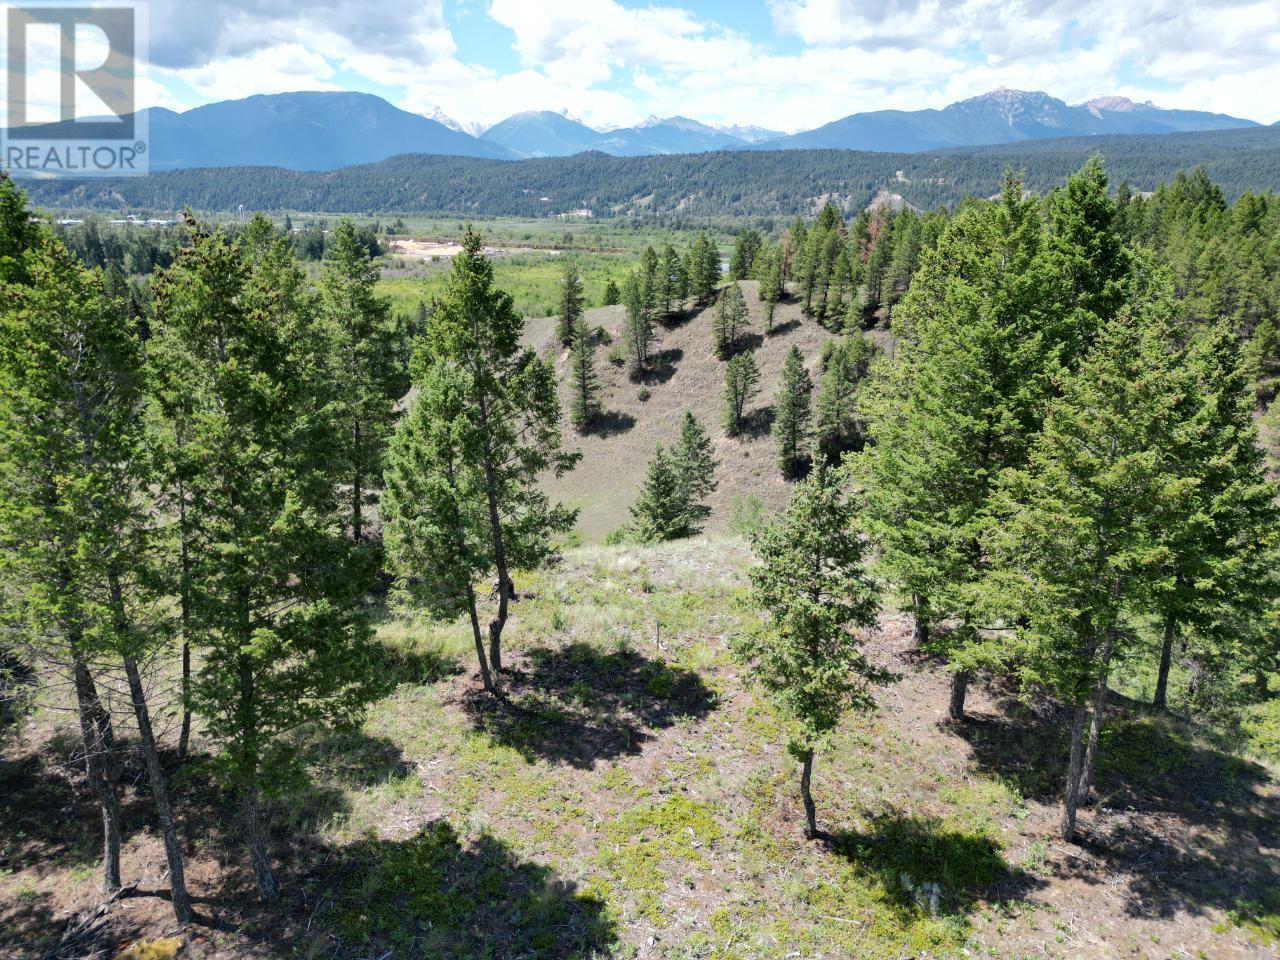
569	311
792	413
1219	537
612	294
76	562
436	518
369	366
1077	541
741	385
513	412
746	247
17	233
659	513
638	330
812	584
694	465
651	283
584	385
771	287
671	285
879	261
960	402
274	587
838	425
730	321
703	268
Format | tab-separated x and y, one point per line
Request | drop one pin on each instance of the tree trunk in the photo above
184	735
267	886
1095	724
1071	796
920	622
499	546
93	736
357	493
1161	699
475	631
160	790
810	811
254	834
959	689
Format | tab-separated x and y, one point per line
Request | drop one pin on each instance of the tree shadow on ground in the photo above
661	367
431	896
748	342
927	869
28	924
1186	824
49	814
611	423
399	665
782	329
678	317
757	423
576	705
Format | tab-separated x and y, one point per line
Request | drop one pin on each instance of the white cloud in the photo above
282	68
614	64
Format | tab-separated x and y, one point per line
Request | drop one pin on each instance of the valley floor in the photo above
632	798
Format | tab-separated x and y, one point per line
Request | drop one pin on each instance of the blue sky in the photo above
784	64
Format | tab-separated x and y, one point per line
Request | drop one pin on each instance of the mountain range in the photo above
329	130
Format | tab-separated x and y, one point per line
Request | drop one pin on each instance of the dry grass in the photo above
616	451
633	799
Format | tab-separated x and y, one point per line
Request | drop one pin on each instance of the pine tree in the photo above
879	261
569	311
511	405
812	584
612	294
651	283
1077	539
703	268
771	287
17	233
838	425
584	385
1219	538
960	401
436	520
671	287
369	367
741	385
746	247
274	587
730	321
638	329
659	513
792	413
694	465
76	562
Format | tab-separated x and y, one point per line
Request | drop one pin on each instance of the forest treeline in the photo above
1056	471
683	187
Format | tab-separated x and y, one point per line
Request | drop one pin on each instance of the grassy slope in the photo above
634	799
615	453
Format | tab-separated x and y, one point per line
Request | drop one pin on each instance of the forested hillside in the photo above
709	185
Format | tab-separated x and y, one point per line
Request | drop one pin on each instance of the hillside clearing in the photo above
632	799
688	376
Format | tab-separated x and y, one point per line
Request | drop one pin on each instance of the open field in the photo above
632	798
532	278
